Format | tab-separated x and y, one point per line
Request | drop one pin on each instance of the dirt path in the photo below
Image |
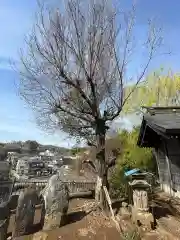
79	225
95	225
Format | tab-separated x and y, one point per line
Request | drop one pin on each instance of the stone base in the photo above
53	221
142	218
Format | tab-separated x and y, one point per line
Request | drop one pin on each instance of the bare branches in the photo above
74	69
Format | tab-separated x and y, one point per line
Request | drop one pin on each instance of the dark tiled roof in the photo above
166	120
159	121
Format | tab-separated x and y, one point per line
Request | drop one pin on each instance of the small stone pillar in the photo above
140	208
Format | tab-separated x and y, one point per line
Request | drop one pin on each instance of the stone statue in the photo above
25	211
56	197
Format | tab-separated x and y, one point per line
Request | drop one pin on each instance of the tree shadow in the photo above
31	230
35	228
70	218
117	204
163	208
75	217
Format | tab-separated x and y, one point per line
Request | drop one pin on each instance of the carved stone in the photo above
140	208
140	199
140	194
25	212
56	198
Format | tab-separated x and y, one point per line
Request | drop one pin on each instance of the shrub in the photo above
131	157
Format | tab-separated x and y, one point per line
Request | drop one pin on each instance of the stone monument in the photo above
56	197
140	208
25	211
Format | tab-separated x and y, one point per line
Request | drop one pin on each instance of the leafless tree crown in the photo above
73	72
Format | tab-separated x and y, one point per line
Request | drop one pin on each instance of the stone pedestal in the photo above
142	218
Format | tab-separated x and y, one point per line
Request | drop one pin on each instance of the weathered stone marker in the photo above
140	208
56	196
25	211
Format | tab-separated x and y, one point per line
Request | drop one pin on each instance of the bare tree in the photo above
74	71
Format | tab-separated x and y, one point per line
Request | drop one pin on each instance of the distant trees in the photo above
3	154
74	70
133	156
77	150
31	145
160	89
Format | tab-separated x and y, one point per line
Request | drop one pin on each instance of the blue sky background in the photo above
16	18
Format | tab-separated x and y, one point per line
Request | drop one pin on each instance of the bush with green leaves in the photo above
131	157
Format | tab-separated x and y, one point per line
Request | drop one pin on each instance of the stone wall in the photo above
73	186
25	212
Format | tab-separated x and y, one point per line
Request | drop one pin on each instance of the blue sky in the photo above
16	18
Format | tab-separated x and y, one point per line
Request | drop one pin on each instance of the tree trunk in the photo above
102	171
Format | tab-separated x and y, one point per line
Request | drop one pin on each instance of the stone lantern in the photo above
140	208
140	189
